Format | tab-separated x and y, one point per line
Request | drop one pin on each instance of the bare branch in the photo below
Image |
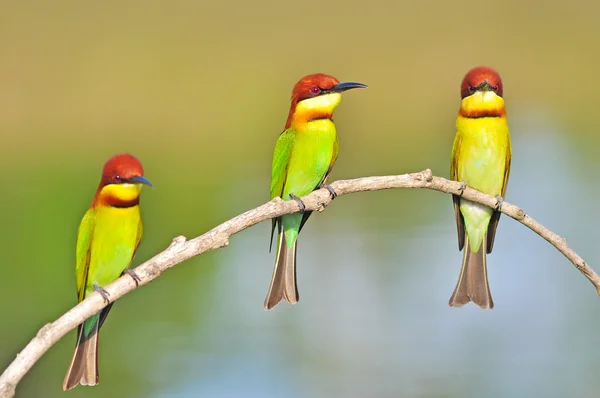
181	250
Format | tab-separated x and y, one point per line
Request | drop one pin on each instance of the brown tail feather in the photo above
473	283
84	366
283	283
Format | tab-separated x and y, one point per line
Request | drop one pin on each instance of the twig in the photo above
181	250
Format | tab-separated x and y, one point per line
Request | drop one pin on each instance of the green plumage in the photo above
302	160
481	158
107	239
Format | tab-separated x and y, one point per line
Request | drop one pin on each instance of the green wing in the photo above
82	254
460	221
281	160
279	169
496	215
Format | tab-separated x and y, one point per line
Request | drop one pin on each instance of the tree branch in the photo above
181	250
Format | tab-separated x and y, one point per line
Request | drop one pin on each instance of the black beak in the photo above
139	180
339	88
485	86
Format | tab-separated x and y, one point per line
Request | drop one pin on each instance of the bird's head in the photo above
122	180
481	92
316	96
481	79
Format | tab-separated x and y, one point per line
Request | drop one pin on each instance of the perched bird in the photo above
480	159
303	158
108	237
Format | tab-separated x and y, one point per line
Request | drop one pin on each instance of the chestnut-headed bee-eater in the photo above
303	158
107	240
480	159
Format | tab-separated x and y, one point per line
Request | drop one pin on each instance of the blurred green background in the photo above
199	92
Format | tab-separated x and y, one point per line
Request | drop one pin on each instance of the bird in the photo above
302	160
481	157
107	240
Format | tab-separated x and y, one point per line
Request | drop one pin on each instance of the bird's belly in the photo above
475	211
113	244
309	162
481	166
477	218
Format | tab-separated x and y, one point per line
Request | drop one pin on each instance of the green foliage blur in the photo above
199	92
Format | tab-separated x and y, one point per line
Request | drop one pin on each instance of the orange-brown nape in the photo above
121	177
476	92
308	87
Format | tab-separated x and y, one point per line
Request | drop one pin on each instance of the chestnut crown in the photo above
121	169
481	78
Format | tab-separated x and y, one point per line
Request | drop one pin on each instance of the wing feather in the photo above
82	254
496	215
279	169
460	222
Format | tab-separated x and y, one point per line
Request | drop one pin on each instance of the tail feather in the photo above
84	366
472	283
283	283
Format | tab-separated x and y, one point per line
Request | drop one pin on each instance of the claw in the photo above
330	189
461	189
499	203
102	292
133	276
299	201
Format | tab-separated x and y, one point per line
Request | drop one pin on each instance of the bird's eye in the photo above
117	178
314	90
471	88
495	88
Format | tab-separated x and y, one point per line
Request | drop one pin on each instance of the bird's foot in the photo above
105	295
461	189
133	276
299	201
499	203
330	189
